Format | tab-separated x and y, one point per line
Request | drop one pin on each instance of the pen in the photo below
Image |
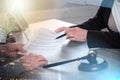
64	34
60	36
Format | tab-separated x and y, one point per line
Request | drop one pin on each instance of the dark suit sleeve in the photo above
96	23
98	39
11	70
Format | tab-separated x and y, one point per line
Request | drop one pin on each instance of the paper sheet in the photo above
42	38
44	43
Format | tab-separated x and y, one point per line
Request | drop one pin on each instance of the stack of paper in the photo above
44	42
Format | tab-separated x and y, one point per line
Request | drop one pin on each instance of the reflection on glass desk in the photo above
69	51
70	71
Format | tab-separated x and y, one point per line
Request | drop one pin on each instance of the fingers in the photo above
72	39
36	65
42	63
70	33
20	47
33	61
41	58
76	34
34	58
11	55
69	36
21	44
60	29
11	47
38	58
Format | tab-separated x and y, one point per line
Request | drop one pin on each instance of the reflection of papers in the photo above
44	43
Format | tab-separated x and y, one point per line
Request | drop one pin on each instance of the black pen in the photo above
61	36
64	34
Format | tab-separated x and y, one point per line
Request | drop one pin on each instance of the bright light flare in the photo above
19	4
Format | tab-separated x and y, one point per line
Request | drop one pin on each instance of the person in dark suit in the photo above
108	16
24	63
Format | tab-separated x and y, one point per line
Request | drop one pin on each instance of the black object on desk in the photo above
92	66
62	62
61	36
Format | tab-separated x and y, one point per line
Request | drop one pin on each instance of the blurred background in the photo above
74	11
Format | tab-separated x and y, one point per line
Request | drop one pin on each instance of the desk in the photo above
70	71
53	24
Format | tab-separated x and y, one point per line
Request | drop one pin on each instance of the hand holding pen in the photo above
73	33
62	29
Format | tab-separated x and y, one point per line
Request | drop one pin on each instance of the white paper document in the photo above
42	38
44	43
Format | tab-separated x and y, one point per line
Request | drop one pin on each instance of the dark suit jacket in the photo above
11	70
97	38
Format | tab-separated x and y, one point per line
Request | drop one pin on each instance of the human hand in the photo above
74	34
13	48
32	61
